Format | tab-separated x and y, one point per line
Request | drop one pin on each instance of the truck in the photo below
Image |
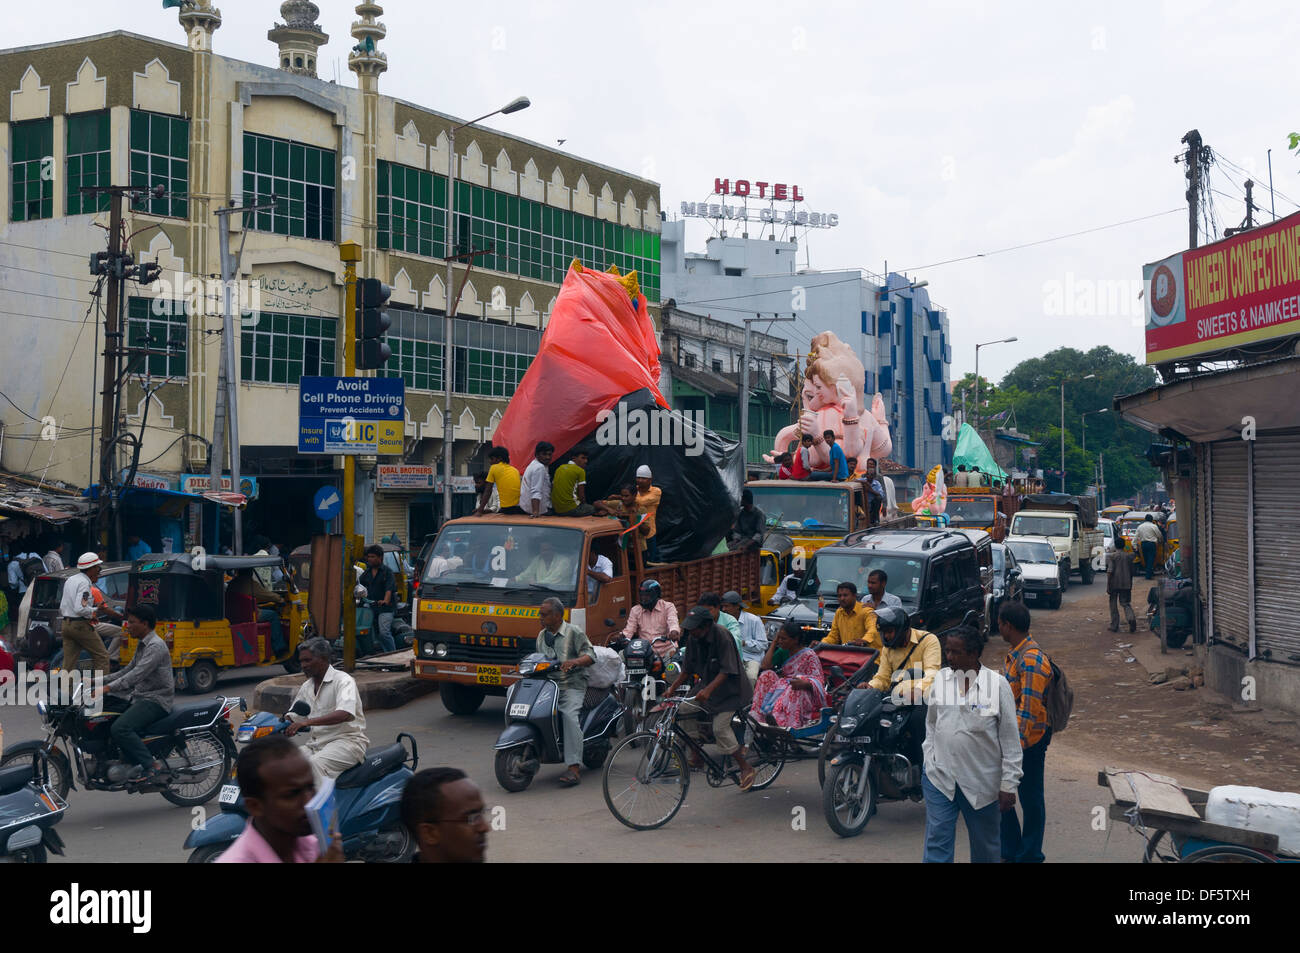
979	507
812	513
1069	523
478	607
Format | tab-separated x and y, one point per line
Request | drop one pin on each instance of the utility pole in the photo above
349	254
226	423
743	392
1193	160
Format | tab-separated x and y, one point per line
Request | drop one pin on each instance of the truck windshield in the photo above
1040	526
523	563
794	508
970	511
828	570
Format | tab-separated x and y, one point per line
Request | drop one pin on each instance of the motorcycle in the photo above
871	765
29	809
194	741
368	796
647	678
533	737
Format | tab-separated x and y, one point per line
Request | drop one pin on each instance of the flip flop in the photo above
570	780
745	785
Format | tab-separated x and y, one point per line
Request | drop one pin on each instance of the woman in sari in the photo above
794	694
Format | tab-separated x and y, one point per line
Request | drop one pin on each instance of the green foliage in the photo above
1032	390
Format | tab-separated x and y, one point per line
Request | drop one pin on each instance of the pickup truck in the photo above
1069	523
477	613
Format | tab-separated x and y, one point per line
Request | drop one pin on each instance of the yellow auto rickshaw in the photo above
1128	526
213	613
775	562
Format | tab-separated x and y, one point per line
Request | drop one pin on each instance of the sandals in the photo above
570	779
748	782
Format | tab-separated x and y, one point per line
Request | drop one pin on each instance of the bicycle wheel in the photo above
1160	849
645	781
767	755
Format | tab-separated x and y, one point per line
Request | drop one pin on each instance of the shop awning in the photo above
1218	405
18	498
153	496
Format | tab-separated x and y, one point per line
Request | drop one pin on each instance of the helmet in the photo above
89	561
650	592
893	618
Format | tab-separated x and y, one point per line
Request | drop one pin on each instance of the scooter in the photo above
29	809
533	737
368	797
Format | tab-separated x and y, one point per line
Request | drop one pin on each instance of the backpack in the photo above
1059	699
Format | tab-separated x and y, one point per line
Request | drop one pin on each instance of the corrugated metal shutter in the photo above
1228	551
1277	547
390	516
1204	532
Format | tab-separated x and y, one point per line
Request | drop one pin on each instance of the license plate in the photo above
519	711
229	793
1031	595
842	739
489	674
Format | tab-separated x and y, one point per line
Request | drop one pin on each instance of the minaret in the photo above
299	37
199	23
367	62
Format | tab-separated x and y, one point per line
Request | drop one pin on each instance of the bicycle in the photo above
651	768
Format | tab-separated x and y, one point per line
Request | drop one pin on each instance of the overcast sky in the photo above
935	130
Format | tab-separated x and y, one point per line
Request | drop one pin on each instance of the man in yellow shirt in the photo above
569	488
854	623
910	658
507	481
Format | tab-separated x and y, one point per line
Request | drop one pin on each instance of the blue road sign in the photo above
351	415
327	503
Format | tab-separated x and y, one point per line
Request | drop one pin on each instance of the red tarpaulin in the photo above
599	346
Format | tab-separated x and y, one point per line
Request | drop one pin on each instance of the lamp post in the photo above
1064	381
447	350
1083	423
977	374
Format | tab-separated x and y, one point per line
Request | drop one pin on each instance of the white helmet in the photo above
89	561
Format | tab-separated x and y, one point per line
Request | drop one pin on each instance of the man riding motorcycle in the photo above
655	618
909	661
338	738
147	684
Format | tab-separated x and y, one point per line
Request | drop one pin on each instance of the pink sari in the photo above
791	707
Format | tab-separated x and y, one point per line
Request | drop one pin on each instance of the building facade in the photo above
901	337
339	164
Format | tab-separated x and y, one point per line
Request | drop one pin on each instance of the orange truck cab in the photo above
477	612
980	508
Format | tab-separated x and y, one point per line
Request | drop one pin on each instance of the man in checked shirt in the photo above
1030	672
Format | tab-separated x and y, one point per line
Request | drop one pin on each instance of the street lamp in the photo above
513	106
1064	381
1083	423
977	374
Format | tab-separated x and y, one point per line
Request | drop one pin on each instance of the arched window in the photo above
297	61
286	62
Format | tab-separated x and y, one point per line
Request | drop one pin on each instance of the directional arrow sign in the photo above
327	503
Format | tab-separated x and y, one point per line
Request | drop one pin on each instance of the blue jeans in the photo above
941	827
1149	558
384	628
1026	846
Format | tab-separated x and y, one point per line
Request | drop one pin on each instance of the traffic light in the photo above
372	322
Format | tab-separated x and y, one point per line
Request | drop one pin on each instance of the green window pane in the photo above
297	161
326	167
139	129
264	148
279	159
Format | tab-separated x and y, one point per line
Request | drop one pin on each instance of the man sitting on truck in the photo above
751	525
548	568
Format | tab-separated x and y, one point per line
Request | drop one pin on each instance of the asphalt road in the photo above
548	823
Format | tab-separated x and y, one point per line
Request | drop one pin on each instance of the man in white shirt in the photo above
78	611
535	488
753	639
972	754
54	558
600	570
338	725
876	596
1148	537
788	591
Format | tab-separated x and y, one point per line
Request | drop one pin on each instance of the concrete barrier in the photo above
378	689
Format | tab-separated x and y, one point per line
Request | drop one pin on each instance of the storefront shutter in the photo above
1228	549
1277	547
390	516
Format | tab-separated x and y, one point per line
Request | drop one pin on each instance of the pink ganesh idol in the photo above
832	398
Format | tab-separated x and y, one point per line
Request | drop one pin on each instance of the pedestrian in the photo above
750	527
853	623
712	664
381	589
972	761
713	602
1029	672
14	573
753	637
505	479
444	812
136	548
335	716
535	490
648	497
1148	536
567	644
78	611
1119	583
54	558
569	492
275	780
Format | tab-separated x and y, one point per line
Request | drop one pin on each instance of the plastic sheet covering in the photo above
972	452
599	346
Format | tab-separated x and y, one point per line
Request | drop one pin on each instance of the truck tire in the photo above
1085	571
461	699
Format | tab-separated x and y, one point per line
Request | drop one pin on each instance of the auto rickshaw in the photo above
1128	525
208	620
775	561
1115	511
394	559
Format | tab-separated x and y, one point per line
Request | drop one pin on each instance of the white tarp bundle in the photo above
608	669
1255	809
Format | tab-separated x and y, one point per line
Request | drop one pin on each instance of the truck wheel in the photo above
461	699
1085	571
202	677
